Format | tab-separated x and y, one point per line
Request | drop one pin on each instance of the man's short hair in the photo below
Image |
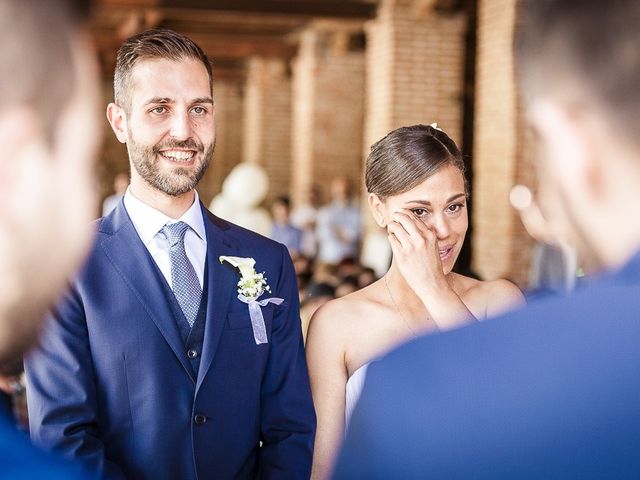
152	44
583	50
36	58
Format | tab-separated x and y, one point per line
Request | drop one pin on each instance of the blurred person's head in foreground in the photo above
579	67
49	129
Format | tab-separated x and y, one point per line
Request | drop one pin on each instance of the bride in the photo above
417	191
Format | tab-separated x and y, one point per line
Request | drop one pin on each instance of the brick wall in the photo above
501	246
303	97
415	70
328	110
228	95
267	121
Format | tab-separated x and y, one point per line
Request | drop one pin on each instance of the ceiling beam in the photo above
129	3
217	46
300	8
243	46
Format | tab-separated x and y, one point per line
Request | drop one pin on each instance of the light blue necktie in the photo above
184	280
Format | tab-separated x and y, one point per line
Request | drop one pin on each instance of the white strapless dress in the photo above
353	391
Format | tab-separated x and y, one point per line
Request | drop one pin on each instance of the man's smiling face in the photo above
170	128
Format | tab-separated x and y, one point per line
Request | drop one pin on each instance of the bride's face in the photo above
440	203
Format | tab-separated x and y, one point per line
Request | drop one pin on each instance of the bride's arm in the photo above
328	375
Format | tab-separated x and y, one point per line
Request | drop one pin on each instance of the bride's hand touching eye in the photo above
415	249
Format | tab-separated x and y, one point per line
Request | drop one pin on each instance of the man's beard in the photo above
179	180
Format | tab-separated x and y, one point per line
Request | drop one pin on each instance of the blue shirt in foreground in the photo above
19	460
550	391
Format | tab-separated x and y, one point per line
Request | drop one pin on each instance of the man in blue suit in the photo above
50	136
551	391
157	364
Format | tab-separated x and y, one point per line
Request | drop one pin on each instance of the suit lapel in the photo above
221	288
134	263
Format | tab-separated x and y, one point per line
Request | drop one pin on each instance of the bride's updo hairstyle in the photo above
406	157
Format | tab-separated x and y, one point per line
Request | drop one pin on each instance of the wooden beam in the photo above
301	8
217	17
423	7
237	74
426	7
223	67
220	47
242	46
129	3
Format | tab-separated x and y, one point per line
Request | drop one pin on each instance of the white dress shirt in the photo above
148	222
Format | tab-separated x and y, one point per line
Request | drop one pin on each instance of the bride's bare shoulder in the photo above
491	296
348	311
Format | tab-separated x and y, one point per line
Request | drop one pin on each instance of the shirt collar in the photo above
148	221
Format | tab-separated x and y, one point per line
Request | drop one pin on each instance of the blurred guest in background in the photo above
554	263
550	391
120	184
338	225
49	130
304	217
240	200
316	295
366	277
553	270
282	230
347	285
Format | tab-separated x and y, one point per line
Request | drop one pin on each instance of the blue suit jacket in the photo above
551	391
112	385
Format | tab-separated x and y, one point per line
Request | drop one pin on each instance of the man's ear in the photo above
118	121
22	140
377	209
568	133
19	128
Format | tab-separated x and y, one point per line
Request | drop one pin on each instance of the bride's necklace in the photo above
386	284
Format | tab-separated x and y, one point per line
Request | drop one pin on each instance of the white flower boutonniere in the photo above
250	287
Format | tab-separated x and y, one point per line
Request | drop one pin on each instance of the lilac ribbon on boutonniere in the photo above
257	319
250	287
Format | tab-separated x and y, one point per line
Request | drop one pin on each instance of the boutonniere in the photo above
250	287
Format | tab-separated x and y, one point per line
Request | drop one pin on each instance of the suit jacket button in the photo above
191	353
200	419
